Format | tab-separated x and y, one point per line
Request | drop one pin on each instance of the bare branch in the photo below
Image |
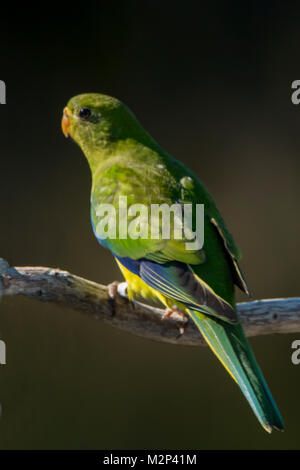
260	317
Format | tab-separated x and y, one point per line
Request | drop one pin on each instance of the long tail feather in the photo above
230	345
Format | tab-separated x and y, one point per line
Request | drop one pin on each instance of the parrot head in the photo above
93	117
95	122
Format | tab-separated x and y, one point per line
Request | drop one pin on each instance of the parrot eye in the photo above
84	113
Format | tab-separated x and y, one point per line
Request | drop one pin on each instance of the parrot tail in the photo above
230	345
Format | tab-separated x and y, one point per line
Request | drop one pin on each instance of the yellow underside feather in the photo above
139	290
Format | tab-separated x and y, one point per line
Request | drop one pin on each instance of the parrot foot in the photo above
175	311
117	289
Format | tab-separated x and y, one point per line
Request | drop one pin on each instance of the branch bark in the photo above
259	317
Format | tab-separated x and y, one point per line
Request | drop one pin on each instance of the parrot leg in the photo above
175	311
117	289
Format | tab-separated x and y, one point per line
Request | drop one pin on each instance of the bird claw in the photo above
181	331
174	311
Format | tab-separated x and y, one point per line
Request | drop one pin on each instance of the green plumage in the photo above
231	346
126	161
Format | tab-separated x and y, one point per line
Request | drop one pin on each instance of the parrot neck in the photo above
126	137
103	155
96	157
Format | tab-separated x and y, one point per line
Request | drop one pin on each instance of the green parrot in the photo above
125	161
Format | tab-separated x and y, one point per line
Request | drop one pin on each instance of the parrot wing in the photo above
177	281
193	190
234	255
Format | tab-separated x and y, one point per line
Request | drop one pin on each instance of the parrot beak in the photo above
65	122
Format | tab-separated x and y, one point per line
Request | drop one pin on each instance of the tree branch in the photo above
260	317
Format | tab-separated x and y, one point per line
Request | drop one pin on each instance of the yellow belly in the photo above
139	290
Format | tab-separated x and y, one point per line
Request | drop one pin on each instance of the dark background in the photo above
212	83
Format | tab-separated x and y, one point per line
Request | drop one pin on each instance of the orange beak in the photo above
65	122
